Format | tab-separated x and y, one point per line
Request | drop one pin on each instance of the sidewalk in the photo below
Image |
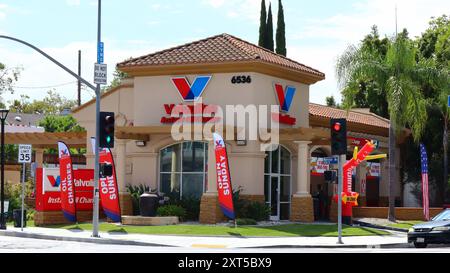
395	240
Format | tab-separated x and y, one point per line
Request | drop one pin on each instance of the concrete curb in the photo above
380	246
364	224
105	241
108	241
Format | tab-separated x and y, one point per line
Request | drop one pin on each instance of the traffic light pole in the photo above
342	159
97	137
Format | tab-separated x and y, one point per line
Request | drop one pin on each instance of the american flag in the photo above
426	201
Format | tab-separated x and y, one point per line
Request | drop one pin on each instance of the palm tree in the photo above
399	75
441	103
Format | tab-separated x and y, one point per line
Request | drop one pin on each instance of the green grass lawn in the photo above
292	230
405	224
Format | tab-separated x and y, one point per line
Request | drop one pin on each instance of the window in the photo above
183	169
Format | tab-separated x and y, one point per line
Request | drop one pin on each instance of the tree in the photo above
269	32
400	76
281	31
331	102
365	93
57	124
118	77
263	25
8	77
434	49
52	104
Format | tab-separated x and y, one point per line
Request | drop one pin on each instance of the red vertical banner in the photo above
67	186
224	187
109	190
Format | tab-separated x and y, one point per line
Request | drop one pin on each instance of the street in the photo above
26	245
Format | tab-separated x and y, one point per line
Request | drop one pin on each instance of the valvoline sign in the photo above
191	92
48	195
285	96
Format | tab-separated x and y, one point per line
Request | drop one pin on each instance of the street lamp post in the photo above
3	115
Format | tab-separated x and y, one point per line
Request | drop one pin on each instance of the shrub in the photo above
258	211
250	209
30	214
190	203
245	222
172	210
13	193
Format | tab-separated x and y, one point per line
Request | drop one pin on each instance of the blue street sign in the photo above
448	101
331	160
100	53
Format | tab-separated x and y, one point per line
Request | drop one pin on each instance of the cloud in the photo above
3	8
73	2
39	72
246	9
319	41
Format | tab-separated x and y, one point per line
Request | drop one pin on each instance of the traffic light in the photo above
106	170
107	121
338	136
330	176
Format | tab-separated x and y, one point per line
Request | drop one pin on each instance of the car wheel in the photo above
420	245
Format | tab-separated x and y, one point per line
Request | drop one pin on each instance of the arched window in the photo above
183	169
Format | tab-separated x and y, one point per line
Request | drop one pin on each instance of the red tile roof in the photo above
369	119
218	49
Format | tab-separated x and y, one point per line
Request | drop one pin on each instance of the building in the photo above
225	70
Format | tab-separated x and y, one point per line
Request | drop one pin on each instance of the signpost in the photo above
24	157
331	160
100	74
100	52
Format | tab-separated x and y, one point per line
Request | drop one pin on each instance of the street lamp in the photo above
3	115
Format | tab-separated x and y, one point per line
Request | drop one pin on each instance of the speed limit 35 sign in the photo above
25	153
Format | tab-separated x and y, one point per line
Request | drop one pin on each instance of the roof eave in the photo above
224	67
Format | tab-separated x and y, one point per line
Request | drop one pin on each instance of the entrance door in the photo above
275	198
277	186
373	192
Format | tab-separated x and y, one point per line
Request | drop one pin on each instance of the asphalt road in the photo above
26	245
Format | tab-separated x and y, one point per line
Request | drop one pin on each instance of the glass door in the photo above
274	198
277	183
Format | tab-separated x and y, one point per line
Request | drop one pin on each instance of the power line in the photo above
45	87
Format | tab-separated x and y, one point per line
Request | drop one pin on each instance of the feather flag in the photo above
223	178
426	200
67	185
109	190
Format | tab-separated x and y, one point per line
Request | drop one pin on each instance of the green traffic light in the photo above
108	139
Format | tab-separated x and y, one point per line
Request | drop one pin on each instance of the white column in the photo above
212	185
303	170
121	164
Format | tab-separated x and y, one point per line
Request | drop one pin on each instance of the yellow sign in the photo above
350	199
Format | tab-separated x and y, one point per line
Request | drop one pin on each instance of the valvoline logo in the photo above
191	92
54	181
285	96
64	152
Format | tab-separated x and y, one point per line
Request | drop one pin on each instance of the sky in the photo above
317	32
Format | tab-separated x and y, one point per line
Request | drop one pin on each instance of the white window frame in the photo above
180	173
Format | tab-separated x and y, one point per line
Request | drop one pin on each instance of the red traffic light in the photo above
337	126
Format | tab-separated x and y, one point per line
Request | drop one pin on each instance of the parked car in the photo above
437	231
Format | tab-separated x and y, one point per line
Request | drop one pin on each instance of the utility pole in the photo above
79	74
342	159
97	135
